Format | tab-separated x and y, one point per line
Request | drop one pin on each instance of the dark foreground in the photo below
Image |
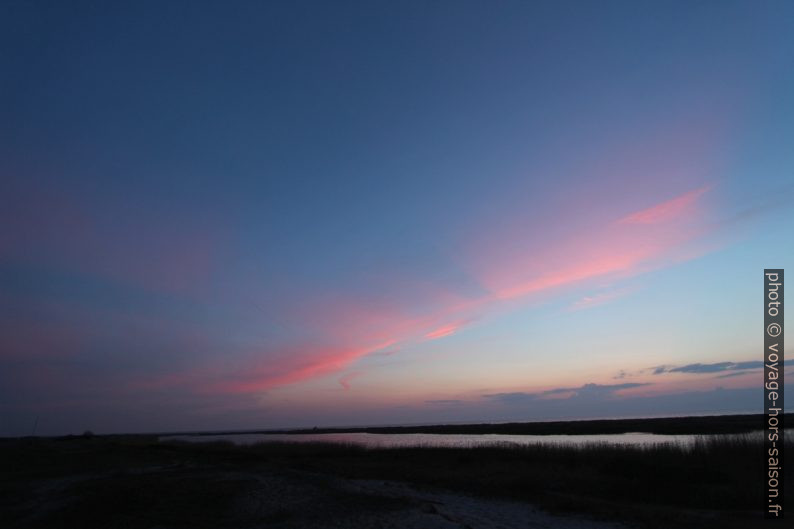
137	482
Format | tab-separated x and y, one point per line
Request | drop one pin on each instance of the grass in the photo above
716	481
653	485
722	473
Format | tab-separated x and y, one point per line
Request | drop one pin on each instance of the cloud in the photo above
734	374
444	402
599	299
604	403
344	381
342	329
717	367
513	397
631	245
446	330
586	391
596	389
292	366
727	368
666	211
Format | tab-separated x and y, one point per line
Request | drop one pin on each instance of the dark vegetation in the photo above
140	482
719	482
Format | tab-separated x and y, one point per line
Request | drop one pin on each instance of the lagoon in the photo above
407	440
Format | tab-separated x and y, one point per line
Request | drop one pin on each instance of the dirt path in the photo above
302	500
197	496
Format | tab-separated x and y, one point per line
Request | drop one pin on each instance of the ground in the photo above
138	482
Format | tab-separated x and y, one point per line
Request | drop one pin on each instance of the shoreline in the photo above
691	425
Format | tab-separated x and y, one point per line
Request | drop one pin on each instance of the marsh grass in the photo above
136	481
713	472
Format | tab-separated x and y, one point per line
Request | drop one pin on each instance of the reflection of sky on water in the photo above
455	440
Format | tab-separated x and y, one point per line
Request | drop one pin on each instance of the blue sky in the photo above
294	213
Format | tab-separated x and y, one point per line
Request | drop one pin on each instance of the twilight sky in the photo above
222	215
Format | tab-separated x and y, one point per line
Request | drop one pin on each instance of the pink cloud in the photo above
617	249
655	236
441	332
651	237
294	365
671	210
444	330
178	257
599	299
572	242
344	381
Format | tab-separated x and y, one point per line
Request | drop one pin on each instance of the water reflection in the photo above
371	440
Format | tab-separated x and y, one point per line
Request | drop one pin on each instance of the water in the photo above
371	440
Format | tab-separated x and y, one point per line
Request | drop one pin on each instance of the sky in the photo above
252	215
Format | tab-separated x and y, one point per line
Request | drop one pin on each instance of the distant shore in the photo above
698	425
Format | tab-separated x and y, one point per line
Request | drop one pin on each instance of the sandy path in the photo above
191	496
302	500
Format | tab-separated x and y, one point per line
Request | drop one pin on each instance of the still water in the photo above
371	440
